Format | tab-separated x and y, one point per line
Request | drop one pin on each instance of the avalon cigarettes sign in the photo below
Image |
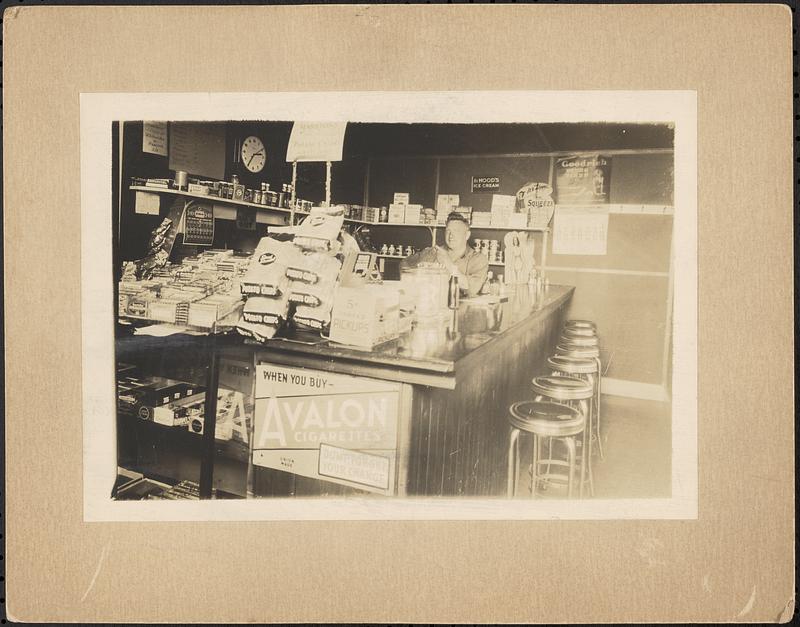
326	426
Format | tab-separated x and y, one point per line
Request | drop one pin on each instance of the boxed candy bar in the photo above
319	230
266	274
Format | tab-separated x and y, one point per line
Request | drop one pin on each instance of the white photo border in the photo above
100	110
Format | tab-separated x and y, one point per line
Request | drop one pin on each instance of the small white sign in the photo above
154	138
147	204
580	231
316	141
363	468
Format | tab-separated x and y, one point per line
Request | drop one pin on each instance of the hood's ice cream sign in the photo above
298	411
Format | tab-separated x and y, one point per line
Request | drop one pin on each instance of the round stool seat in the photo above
579	332
581	324
579	341
572	365
543	418
563	388
570	350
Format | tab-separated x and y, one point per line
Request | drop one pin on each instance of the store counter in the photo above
449	382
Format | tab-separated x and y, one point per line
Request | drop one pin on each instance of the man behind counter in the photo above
469	266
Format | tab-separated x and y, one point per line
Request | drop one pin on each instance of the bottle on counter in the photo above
453	293
486	288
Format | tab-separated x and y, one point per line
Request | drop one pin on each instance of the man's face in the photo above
456	234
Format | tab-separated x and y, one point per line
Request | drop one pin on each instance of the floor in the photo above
637	443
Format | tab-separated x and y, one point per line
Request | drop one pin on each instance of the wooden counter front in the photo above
458	377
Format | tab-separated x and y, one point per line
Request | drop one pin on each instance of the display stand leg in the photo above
209	421
327	183
292	201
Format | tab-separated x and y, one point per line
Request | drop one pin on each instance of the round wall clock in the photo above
254	155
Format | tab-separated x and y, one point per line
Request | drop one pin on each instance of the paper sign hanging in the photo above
316	141
147	204
583	179
154	138
580	231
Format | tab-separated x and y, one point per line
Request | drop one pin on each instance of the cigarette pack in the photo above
178	413
195	188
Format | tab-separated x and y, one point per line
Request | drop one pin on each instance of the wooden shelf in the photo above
242	203
229	201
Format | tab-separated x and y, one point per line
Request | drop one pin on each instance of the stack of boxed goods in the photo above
201	291
481	218
503	207
428	216
445	204
413	214
314	276
265	286
155	399
185	490
293	279
466	212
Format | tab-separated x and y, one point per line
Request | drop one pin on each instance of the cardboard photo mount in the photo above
734	562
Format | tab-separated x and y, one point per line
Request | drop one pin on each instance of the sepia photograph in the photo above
394	314
329	310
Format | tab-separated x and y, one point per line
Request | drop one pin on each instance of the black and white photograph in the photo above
461	315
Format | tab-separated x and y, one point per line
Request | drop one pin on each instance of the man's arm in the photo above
477	271
412	261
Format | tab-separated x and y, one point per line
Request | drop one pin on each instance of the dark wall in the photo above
347	182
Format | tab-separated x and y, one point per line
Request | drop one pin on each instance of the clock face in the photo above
254	155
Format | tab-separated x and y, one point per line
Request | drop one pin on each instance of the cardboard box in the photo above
401	198
365	316
397	214
412	214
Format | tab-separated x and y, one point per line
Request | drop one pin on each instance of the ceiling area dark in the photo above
384	140
465	139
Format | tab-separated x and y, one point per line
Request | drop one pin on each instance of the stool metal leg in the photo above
586	408
513	462
570	442
597	410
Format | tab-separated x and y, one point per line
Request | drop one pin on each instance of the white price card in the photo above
581	231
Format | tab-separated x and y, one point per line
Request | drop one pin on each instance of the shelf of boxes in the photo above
244	203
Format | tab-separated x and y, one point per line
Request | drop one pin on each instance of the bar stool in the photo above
578	340
570	349
576	394
584	370
579	332
543	420
580	324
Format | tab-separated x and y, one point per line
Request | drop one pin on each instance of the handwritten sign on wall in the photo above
197	148
580	231
316	141
154	138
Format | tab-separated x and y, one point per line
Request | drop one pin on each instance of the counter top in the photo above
434	352
434	349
